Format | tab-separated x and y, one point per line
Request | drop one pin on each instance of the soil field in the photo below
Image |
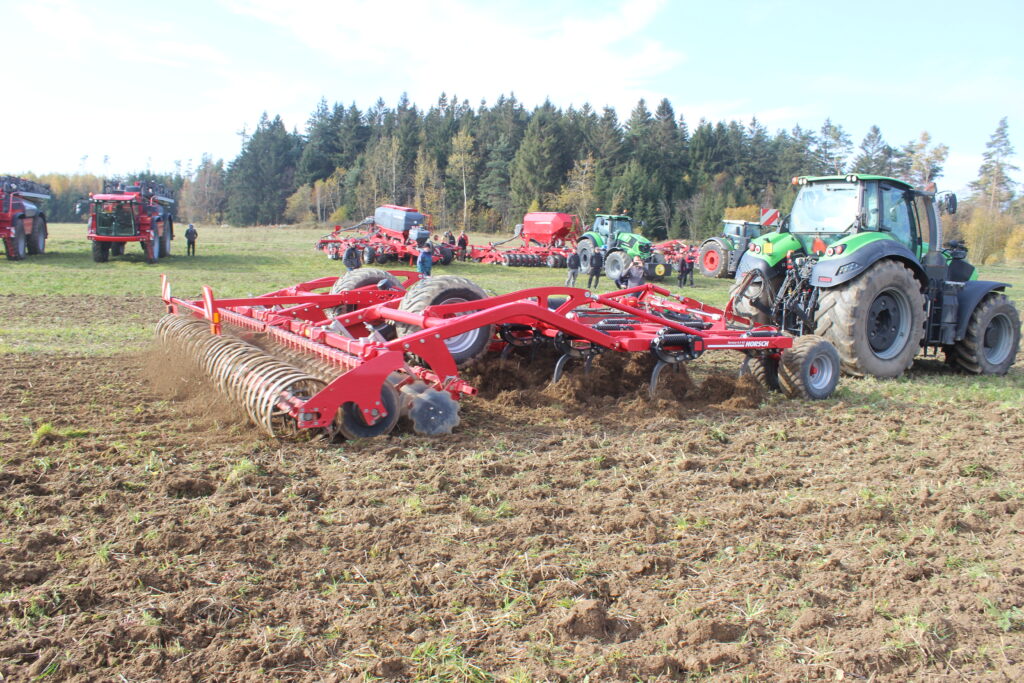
563	532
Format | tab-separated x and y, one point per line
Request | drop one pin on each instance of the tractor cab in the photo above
741	229
115	217
607	225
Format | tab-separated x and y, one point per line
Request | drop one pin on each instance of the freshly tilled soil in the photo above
563	531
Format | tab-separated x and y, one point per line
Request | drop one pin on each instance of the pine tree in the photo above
832	148
875	156
541	162
262	177
994	188
920	164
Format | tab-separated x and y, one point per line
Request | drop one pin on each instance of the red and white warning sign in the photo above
770	216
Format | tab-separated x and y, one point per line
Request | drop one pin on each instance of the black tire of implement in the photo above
447	255
349	420
795	371
100	251
842	318
345	255
438	290
765	371
354	279
165	240
969	352
37	243
723	258
18	241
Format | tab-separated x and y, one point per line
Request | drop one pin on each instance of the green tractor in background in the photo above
857	262
616	235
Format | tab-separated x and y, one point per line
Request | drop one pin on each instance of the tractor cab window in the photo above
825	207
115	218
895	215
601	225
621	225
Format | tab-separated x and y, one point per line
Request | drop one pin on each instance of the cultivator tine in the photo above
655	374
560	367
266	387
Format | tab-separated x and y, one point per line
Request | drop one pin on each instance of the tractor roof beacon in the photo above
858	262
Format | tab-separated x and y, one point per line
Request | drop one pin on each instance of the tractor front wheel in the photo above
712	260
448	289
876	322
18	247
993	337
809	369
615	265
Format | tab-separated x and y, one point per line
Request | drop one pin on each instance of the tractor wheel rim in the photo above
464	341
889	319
820	372
998	340
711	260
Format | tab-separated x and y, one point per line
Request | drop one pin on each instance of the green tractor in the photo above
615	234
857	262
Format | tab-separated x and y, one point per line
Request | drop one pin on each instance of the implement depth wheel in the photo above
809	369
876	321
350	422
993	337
448	289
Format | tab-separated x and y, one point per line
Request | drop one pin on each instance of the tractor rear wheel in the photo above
809	369
18	242
100	251
354	279
585	248
448	289
993	337
876	321
165	239
712	259
154	244
615	265
37	243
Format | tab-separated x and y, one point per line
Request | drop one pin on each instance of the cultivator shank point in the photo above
382	345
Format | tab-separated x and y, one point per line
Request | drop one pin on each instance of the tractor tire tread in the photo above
969	352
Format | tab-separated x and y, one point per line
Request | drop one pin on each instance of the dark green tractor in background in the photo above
617	236
857	262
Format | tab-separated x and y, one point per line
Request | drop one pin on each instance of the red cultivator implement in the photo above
382	344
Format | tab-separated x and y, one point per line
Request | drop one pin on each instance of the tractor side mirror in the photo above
947	203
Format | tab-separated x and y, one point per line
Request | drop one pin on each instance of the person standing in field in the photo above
425	261
463	243
594	272
191	235
634	275
572	264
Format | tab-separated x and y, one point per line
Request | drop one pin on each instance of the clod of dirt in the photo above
809	620
587	618
182	486
391	668
703	630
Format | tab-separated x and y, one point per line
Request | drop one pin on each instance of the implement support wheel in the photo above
809	369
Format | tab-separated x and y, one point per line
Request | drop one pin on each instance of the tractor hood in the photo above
773	247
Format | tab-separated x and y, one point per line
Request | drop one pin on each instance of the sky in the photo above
109	88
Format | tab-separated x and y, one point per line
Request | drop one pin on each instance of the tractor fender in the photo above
751	261
968	297
723	242
829	272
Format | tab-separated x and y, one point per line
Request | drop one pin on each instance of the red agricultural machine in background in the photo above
548	239
124	212
394	233
378	345
22	223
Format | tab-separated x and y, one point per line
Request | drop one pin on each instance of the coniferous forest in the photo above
481	168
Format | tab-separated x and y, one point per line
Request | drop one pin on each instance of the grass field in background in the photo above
235	262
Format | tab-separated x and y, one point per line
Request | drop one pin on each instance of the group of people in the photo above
461	243
686	265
